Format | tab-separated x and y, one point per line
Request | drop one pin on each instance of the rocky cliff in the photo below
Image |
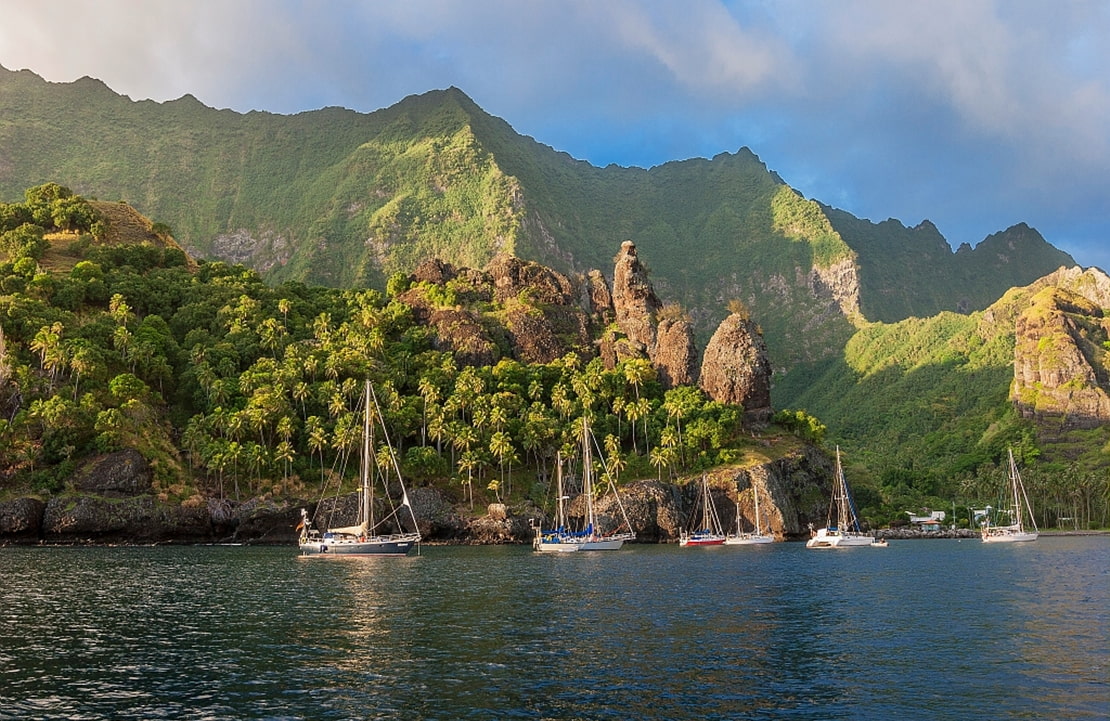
736	369
114	504
1060	361
645	330
542	315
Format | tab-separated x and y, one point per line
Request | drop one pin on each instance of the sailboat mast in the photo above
705	502
365	492
560	500
755	495
587	475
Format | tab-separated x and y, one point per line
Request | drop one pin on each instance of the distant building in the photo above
929	523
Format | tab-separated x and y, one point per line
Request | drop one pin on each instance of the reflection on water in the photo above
946	628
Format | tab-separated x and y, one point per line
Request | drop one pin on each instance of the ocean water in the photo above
923	629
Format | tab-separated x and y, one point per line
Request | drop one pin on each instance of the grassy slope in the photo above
353	197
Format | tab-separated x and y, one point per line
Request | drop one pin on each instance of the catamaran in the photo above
562	539
842	526
1016	531
745	539
710	533
364	538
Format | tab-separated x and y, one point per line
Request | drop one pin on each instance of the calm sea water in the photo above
939	629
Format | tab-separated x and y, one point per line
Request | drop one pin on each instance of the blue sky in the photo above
974	114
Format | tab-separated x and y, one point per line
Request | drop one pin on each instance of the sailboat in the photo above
563	540
842	524
1016	531
363	538
710	533
746	539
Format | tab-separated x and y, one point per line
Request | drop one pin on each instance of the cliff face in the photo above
793	492
736	369
1060	361
675	356
116	506
544	315
634	299
668	342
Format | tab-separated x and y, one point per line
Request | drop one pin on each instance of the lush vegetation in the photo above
343	199
922	409
237	388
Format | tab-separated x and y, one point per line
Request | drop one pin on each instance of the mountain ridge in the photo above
346	199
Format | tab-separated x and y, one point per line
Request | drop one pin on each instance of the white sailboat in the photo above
364	538
710	533
842	527
562	539
747	539
1016	532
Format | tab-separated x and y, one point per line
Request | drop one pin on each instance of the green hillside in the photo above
924	407
346	199
111	337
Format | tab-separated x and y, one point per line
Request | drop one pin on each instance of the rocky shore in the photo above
112	501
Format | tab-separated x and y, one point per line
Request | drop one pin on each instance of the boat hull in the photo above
1000	535
748	540
549	543
374	546
702	539
837	539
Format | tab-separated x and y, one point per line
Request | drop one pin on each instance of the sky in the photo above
972	114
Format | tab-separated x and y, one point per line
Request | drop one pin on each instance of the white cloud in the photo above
941	109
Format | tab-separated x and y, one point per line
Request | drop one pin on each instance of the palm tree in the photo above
501	446
660	457
317	441
286	453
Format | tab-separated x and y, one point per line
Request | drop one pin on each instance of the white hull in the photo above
561	540
836	539
748	539
607	544
395	545
1007	535
1016	532
556	544
556	547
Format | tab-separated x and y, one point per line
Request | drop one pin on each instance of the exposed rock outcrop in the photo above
736	369
793	492
124	473
513	277
676	356
21	518
1060	361
634	301
461	332
434	271
599	299
668	342
137	519
543	317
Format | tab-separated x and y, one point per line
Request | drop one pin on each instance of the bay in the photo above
939	628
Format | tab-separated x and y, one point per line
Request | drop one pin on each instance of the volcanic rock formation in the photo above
736	369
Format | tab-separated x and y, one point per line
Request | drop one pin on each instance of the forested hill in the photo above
113	339
346	199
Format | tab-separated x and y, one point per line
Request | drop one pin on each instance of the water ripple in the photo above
777	632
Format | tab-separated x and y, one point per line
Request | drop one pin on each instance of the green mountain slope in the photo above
346	199
927	404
